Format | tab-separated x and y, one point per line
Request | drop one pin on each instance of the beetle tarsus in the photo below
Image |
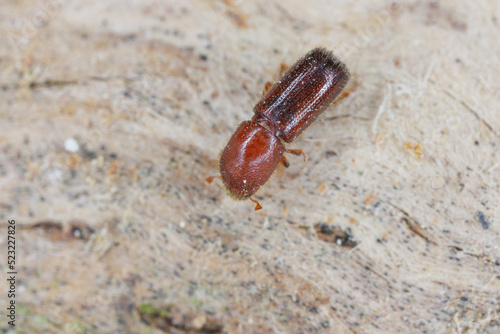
285	162
211	178
296	152
257	204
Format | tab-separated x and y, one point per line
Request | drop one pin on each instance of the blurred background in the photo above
112	114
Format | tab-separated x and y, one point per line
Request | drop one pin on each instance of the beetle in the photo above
287	108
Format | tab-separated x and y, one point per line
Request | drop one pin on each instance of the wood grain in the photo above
124	236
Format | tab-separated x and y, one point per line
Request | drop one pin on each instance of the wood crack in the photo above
469	108
412	224
48	83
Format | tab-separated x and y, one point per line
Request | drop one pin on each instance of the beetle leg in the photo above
211	178
283	69
284	161
268	85
296	152
257	204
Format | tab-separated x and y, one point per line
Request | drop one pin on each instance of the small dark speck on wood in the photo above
482	219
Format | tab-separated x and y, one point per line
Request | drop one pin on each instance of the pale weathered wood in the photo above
152	90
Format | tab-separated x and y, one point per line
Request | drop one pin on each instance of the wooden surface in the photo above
124	236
